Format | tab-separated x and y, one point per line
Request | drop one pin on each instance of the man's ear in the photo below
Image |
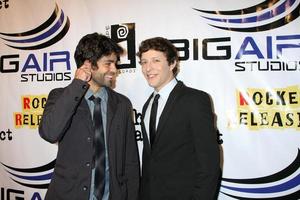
172	66
88	64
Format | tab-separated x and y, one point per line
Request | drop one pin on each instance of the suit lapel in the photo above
112	104
83	106
175	93
145	136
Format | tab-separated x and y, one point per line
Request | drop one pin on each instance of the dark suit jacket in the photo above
183	162
67	120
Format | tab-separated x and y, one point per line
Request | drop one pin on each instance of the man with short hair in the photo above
97	155
180	156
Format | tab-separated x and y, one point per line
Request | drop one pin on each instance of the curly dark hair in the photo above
163	45
93	46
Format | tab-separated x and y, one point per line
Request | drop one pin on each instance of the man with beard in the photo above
97	155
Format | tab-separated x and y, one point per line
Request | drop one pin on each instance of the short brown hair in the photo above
163	45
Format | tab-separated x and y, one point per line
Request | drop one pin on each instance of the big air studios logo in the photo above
259	108
264	16
283	185
124	35
38	66
250	53
35	178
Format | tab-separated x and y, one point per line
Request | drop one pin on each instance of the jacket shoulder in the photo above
194	96
189	91
119	97
75	86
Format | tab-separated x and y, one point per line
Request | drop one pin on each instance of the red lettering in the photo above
26	101
18	118
243	101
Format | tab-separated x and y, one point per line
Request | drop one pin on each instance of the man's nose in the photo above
149	66
113	67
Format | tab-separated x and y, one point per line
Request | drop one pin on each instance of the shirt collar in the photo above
166	90
102	93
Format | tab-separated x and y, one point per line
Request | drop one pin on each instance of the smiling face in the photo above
156	68
106	72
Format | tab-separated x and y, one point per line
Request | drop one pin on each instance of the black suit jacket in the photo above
183	162
67	120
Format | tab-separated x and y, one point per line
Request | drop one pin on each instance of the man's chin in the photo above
151	84
109	83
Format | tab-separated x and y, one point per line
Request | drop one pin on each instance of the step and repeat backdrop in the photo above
245	54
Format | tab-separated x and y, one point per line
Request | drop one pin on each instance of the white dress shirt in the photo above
164	95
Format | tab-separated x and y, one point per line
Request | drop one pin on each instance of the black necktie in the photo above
99	148
152	122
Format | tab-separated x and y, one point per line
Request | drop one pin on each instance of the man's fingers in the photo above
84	73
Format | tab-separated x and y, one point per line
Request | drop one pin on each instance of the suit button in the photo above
89	139
76	98
87	164
85	188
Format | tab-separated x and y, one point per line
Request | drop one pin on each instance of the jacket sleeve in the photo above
132	166
59	109
207	149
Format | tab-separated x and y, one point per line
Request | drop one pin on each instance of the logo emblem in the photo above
38	177
265	16
124	34
281	185
45	35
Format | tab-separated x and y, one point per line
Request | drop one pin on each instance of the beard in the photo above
101	81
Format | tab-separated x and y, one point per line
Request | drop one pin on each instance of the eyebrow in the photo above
110	60
152	58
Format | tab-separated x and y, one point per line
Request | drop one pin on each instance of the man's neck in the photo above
94	88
